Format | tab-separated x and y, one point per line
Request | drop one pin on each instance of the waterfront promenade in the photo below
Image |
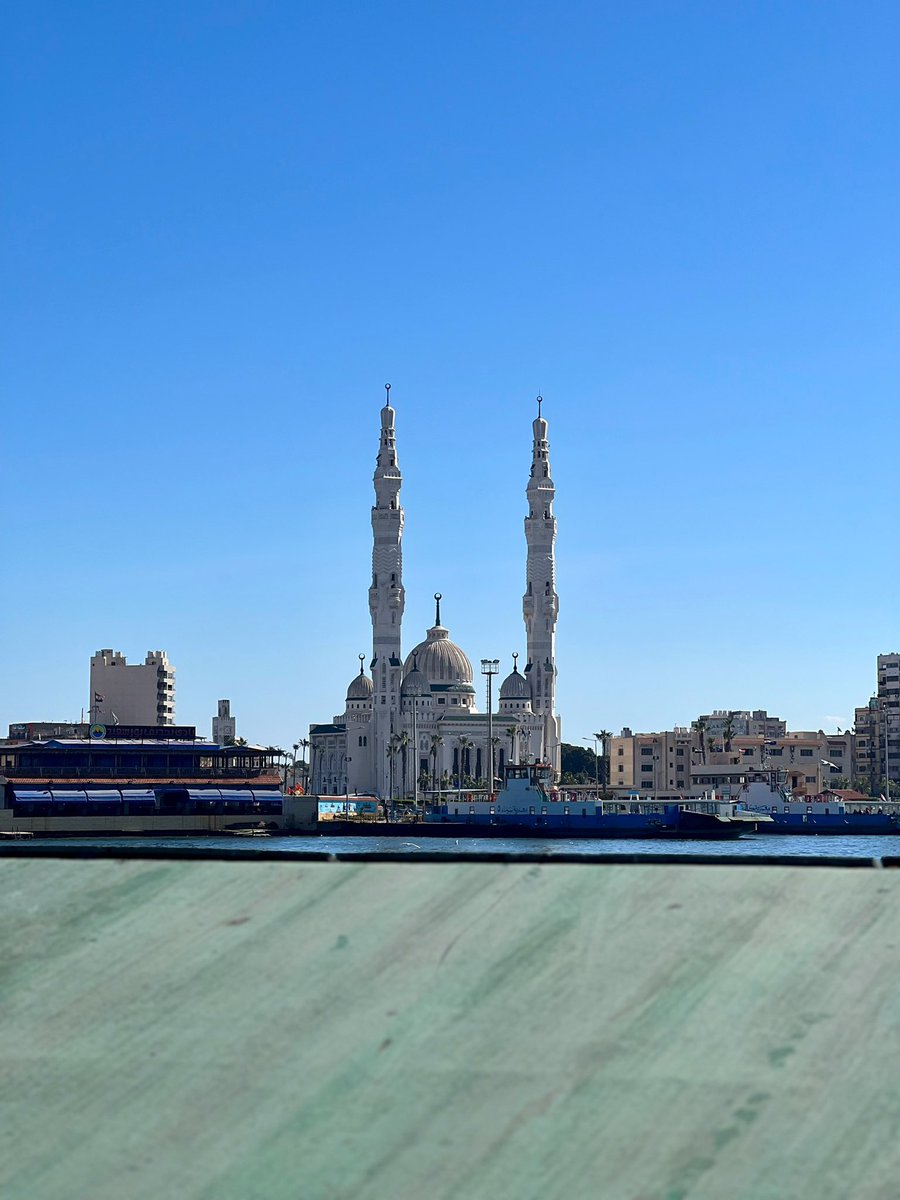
363	1029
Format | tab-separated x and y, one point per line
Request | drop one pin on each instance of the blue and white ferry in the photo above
528	807
764	793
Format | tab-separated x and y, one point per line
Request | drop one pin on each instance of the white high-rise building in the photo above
415	717
224	725
140	694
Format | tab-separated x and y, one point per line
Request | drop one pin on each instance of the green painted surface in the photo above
329	1030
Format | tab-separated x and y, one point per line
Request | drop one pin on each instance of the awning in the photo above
103	795
203	795
269	796
68	795
32	795
139	795
236	795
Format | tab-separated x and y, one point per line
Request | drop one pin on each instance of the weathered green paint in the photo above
326	1030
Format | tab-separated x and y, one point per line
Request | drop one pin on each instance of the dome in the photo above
414	682
361	687
515	686
439	660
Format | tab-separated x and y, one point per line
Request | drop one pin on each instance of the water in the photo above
747	847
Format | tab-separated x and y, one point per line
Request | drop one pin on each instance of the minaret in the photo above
386	595
541	603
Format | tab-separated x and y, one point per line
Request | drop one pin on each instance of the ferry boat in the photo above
527	807
764	793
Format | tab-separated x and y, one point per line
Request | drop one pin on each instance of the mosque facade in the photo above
414	718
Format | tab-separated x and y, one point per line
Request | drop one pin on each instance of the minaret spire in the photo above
541	604
437	608
386	595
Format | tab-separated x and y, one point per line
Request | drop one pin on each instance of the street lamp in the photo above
347	761
489	668
595	739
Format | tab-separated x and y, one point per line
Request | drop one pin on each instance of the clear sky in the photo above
225	225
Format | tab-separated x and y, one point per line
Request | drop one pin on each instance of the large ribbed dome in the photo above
439	659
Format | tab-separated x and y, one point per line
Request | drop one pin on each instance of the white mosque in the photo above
417	716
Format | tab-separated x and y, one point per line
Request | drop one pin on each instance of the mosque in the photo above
417	715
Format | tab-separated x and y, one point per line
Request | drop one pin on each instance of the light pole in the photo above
489	668
415	757
347	761
595	738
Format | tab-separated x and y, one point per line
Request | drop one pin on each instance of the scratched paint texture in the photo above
228	1031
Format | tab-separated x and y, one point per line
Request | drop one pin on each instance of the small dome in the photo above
361	687
515	686
414	682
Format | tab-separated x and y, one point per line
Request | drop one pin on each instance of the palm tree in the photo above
728	732
605	737
512	733
436	742
392	750
701	730
464	745
402	746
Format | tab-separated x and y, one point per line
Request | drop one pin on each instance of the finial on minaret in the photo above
540	401
437	608
362	659
387	395
515	662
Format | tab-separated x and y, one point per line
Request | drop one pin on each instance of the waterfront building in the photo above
412	721
39	731
143	779
132	694
739	722
224	725
691	762
878	728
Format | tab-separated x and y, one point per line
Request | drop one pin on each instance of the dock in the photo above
499	1030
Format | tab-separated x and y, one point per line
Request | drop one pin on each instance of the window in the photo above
621	751
810	778
679	754
646	766
806	753
646	750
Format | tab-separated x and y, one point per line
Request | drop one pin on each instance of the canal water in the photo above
748	847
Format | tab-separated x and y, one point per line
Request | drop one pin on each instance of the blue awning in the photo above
139	795
267	796
103	795
236	795
68	795
204	795
33	795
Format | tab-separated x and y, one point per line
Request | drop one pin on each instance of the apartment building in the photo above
877	723
132	694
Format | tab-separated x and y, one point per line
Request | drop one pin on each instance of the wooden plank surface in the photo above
330	1030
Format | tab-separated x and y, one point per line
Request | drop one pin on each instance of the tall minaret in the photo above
541	603
386	595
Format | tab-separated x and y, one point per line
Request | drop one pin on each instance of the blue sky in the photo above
226	225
